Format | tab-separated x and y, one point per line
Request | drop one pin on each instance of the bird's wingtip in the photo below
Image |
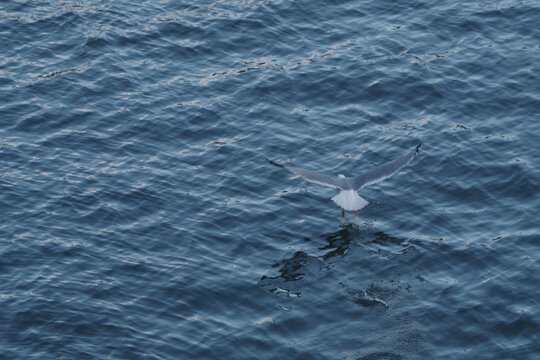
418	146
274	163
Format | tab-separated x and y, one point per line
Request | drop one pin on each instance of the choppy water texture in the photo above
141	221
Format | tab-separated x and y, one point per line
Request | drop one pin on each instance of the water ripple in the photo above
138	204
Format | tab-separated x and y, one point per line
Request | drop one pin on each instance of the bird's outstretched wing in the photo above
314	176
383	172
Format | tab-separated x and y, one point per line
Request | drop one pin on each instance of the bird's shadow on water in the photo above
294	272
369	274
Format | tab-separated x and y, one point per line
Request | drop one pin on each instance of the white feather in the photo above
350	200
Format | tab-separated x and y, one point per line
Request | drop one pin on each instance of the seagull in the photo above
348	199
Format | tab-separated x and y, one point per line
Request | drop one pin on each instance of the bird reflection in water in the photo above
294	272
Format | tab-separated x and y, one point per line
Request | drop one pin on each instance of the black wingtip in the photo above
416	149
274	163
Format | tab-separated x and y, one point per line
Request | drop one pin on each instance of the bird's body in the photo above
348	199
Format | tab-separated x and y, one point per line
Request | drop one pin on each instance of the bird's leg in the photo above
355	212
342	213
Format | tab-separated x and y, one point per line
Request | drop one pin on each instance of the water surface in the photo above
141	220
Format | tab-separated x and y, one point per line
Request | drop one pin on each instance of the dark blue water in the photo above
140	220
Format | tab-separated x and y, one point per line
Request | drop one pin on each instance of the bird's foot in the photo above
355	212
342	213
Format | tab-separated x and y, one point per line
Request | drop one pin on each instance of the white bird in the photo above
348	198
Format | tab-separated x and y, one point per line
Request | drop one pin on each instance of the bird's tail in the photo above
350	200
